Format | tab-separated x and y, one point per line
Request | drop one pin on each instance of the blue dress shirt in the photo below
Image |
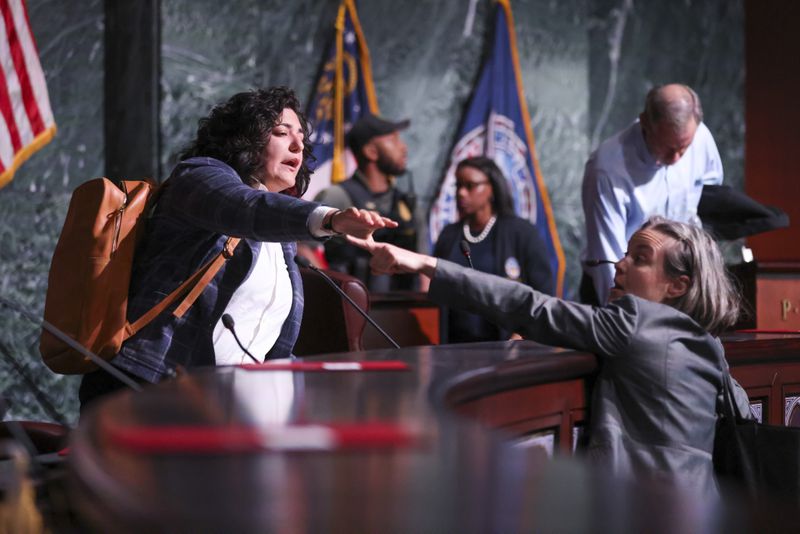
623	186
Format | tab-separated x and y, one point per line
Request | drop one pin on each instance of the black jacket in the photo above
514	237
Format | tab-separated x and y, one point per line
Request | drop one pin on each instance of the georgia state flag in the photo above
343	92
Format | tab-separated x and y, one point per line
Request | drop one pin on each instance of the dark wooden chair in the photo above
46	437
330	323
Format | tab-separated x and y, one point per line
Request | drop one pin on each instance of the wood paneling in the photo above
778	302
772	138
410	318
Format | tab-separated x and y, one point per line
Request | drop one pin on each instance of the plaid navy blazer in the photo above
203	202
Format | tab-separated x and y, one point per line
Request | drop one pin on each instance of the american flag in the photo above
26	120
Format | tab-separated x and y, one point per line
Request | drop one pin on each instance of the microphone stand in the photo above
40	396
97	360
467	253
595	263
303	262
227	322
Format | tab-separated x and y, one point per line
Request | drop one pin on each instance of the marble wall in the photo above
33	205
636	45
425	59
586	66
696	42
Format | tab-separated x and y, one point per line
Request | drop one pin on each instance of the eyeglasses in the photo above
469	186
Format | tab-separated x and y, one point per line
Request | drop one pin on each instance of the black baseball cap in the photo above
369	126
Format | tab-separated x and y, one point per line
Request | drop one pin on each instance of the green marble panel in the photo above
69	36
425	61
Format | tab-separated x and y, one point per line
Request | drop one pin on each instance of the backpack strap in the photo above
205	279
199	280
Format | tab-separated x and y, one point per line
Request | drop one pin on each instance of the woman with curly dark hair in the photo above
500	243
240	178
238	131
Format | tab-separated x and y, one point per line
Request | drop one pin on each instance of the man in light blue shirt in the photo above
656	166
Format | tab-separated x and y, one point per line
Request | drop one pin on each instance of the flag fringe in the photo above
22	156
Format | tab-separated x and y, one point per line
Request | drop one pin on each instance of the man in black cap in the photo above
381	156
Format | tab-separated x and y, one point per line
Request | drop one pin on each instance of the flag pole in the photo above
337	169
526	119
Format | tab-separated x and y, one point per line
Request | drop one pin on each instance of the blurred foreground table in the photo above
459	441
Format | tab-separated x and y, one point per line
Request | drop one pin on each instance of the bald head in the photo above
675	105
669	121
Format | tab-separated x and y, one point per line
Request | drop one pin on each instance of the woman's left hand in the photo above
359	223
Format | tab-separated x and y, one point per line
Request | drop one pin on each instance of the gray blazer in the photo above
654	406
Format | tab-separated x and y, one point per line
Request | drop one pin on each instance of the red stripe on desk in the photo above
764	331
184	439
353	436
233	439
388	365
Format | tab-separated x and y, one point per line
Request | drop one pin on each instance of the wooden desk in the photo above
459	477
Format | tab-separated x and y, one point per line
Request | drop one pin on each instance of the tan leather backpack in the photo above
87	293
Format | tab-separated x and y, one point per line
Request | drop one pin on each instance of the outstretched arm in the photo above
356	222
515	306
389	259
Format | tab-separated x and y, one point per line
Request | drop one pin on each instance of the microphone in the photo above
74	345
303	262
466	252
595	263
227	322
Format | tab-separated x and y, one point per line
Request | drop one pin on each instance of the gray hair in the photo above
712	299
677	112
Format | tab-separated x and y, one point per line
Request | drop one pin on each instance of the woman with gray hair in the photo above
654	407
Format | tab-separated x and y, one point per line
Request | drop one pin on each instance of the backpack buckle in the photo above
227	250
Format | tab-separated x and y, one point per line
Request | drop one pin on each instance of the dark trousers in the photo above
98	384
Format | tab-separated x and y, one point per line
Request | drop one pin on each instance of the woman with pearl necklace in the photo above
496	241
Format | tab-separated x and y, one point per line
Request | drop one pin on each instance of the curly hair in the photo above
502	203
238	131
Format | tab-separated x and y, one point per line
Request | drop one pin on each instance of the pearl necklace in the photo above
480	237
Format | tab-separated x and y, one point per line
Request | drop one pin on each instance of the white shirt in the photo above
259	307
623	186
262	303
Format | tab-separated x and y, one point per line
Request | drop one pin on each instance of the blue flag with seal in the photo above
497	125
342	93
